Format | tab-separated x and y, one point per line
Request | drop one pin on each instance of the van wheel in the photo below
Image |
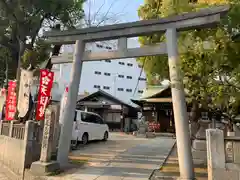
105	137
85	139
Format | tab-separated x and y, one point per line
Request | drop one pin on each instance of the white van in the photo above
88	126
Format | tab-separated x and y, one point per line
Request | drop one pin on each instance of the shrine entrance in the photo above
170	25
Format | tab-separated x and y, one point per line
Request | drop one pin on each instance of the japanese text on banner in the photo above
46	83
11	104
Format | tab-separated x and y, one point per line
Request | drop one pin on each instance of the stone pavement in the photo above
3	176
123	157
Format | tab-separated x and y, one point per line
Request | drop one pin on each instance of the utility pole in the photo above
114	84
6	74
18	75
20	53
68	115
179	108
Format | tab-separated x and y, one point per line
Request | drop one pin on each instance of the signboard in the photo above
11	104
44	93
119	107
24	92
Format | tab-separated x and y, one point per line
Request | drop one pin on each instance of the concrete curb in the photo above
164	135
150	135
163	161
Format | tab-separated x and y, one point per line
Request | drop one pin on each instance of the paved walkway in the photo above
3	176
123	157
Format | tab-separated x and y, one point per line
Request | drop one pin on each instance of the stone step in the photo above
165	176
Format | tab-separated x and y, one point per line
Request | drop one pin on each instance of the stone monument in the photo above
142	128
45	165
143	131
199	146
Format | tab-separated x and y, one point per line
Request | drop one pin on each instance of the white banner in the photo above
24	92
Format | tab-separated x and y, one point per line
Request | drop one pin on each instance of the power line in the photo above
151	37
139	77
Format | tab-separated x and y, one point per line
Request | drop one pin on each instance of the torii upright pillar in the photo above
68	114
179	108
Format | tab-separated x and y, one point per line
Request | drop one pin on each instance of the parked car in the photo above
88	126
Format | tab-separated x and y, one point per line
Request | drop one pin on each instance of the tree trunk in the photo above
20	53
230	125
195	112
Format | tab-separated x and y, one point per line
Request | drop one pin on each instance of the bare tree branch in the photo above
98	11
98	18
109	9
89	13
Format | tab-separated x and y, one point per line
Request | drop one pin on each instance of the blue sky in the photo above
126	8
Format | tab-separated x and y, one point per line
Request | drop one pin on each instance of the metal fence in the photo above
18	131
232	149
15	130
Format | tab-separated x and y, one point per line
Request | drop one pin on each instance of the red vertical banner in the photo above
11	103
45	87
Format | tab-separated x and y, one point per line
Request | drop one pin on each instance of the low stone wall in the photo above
16	146
12	153
223	155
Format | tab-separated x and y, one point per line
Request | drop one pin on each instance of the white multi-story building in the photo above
122	78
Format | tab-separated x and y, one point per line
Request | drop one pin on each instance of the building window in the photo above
107	74
121	76
106	87
129	64
129	77
99	46
129	90
108	47
120	89
140	91
108	60
122	63
96	86
142	79
97	72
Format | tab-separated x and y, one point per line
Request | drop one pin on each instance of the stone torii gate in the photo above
204	18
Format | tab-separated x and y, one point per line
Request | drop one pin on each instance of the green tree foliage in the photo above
5	60
21	21
37	54
211	59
